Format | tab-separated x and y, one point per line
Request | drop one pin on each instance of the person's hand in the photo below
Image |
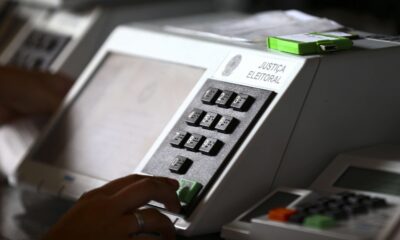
112	212
26	93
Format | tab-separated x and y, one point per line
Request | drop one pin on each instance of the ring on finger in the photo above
139	220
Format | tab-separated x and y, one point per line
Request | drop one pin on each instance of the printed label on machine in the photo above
258	70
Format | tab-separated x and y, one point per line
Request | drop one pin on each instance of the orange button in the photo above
281	214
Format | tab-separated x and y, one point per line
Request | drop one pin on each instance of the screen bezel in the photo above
326	181
344	179
71	184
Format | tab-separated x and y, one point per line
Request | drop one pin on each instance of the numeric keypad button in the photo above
180	165
194	142
225	98
242	102
194	117
179	139
210	96
226	124
211	146
209	120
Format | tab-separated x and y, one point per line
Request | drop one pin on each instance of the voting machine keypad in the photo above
326	212
348	214
39	50
206	137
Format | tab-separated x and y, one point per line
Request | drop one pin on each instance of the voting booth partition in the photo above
64	39
230	121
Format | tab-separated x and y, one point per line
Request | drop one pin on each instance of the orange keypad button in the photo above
281	214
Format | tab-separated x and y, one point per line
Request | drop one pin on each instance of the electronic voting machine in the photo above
355	197
229	119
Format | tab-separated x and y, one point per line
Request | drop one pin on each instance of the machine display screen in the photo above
370	180
117	116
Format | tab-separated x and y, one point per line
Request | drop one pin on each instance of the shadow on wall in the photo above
368	15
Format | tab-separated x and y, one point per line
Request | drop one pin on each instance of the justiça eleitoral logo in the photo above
232	65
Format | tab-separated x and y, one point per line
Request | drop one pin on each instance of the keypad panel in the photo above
328	212
39	50
208	134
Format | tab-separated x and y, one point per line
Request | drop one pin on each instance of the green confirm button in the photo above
319	222
188	190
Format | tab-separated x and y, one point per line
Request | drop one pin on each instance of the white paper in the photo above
307	38
256	28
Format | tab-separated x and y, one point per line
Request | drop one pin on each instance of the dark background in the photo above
378	16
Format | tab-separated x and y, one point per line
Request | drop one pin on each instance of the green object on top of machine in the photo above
311	43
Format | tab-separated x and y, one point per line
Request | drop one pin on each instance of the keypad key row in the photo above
227	99
212	121
196	143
